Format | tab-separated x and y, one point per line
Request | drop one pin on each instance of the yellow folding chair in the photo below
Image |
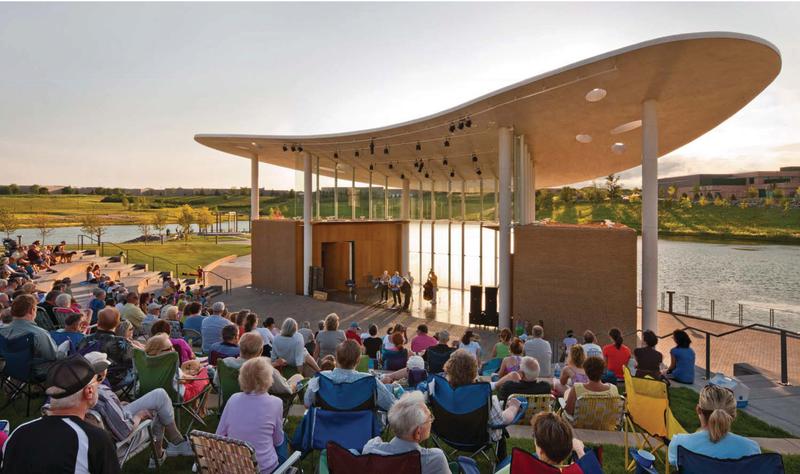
598	413
648	418
536	404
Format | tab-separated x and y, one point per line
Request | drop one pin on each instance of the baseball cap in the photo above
354	324
71	375
99	361
152	306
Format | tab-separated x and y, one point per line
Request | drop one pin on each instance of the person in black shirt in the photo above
62	442
373	344
436	356
49	306
523	382
119	349
648	359
406	290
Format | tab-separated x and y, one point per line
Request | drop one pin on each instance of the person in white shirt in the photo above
540	350
589	346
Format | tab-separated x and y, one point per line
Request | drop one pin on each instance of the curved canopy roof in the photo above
698	80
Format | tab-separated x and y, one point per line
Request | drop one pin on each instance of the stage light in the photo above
371	147
452	174
444	162
474	158
386	150
402	176
391	166
427	175
285	148
446	142
419	146
299	147
370	166
356	154
461	125
452	127
468	123
478	171
294	148
336	155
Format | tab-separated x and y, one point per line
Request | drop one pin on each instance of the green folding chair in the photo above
228	383
161	372
363	364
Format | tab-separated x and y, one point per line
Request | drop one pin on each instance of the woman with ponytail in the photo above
716	410
616	354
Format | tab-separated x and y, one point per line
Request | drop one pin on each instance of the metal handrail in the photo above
228	281
784	335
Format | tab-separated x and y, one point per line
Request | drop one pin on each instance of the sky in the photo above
107	94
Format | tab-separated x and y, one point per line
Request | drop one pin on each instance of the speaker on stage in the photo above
491	317
475	303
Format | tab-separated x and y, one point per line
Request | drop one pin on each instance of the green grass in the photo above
196	252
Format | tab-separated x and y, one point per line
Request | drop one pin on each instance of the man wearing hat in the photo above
70	444
354	333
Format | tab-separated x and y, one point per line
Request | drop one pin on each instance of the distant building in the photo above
765	183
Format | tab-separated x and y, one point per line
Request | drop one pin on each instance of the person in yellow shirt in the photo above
131	311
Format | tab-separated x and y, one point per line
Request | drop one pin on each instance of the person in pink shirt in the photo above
181	347
254	415
422	340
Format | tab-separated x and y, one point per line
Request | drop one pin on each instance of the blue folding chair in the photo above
17	372
694	463
393	360
436	360
74	339
461	418
491	366
361	394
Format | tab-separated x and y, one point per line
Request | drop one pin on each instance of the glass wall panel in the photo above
441	255
413	250
426	236
489	257
455	262
472	251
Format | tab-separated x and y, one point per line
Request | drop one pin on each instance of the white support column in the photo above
405	207
254	187
307	210
505	142
649	216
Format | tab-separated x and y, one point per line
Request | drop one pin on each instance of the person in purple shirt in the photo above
422	340
255	416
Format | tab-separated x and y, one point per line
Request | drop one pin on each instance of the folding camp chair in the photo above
139	440
648	418
228	384
60	336
523	462
393	360
160	372
435	361
491	366
536	404
194	338
596	413
17	372
461	418
363	364
694	463
43	320
217	454
338	460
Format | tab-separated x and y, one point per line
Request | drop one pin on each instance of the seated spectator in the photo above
616	354
309	340
716	410
7	264
181	347
125	329
462	369
469	342
75	328
648	359
387	339
422	341
121	419
347	356
354	333
192	319
540	350
269	323
153	313
171	316
525	381
681	367
229	347
410	420
373	343
566	343
590	347
132	312
510	363
250	347
97	303
212	326
289	346
190	378
63	307
239	320
119	349
253	415
396	358
502	349
573	372
330	338
594	367
71	443
436	356
23	312
555	443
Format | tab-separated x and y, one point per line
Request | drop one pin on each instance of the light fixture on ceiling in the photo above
391	166
294	148
427	175
446	142
299	147
595	95
627	127
468	122
452	174
618	148
285	148
474	158
355	154
371	147
478	171
370	166
461	124
419	146
444	161
335	155
583	138
452	127
402	176
386	150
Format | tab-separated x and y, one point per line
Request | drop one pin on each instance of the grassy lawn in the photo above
197	251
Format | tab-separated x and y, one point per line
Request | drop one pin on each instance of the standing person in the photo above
434	281
716	409
394	286
540	350
648	359
681	367
384	284
406	290
469	342
616	354
73	445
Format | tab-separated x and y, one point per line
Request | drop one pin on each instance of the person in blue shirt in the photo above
211	329
681	368
394	284
716	410
97	303
229	347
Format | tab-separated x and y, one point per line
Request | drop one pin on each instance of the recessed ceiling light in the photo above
627	127
596	95
583	138
618	148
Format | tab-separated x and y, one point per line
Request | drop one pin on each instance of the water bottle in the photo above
557	370
397	390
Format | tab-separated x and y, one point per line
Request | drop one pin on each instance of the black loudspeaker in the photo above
475	303
491	317
315	279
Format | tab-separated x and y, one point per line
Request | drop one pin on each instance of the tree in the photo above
695	192
752	192
43	190
42	222
125	202
34	189
145	228
92	225
777	193
186	217
612	184
8	222
13	189
68	190
567	195
159	222
204	218
4	190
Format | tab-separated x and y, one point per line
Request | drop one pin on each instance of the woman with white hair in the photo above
171	315
255	416
411	421
289	345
